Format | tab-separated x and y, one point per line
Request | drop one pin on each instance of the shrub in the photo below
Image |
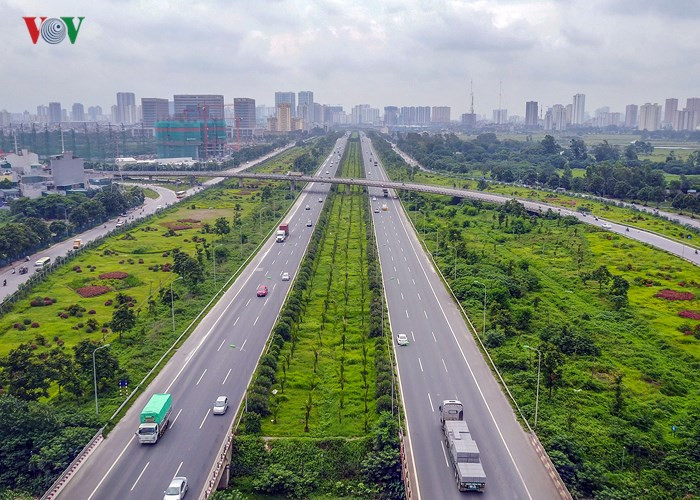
35	325
268	372
384	403
92	290
92	311
251	423
258	403
114	275
494	338
689	314
674	295
108	302
27	321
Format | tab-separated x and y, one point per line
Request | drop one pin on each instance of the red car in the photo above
262	291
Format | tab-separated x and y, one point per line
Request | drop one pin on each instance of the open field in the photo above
620	376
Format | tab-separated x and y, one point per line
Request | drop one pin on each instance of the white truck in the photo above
282	232
461	448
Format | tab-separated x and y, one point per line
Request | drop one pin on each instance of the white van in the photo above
43	262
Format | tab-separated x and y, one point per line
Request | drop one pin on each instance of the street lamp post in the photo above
455	249
172	301
215	247
539	364
94	375
483	326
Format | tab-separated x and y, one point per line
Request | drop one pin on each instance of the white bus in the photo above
43	262
180	194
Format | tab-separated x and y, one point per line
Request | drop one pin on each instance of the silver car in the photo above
177	489
402	339
220	406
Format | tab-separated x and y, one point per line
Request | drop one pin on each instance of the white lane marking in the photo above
295	244
256	321
413	336
443	364
402	296
242	346
444	454
110	468
278	252
405	259
175	419
178	469
222	344
137	479
414	281
419	296
434	336
234	323
205	417
226	377
273	289
200	377
286	262
409	269
273	262
406	313
420	364
392	258
246	304
265	303
398	281
394	269
426	314
431	403
464	357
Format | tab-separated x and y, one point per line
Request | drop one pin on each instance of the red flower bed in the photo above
689	314
674	295
114	275
92	290
190	221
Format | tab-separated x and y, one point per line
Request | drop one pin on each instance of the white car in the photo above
320	200
120	223
220	406
402	339
307	207
376	210
369	173
285	276
605	225
374	198
177	489
308	223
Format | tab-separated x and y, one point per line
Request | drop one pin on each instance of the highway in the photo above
442	361
218	358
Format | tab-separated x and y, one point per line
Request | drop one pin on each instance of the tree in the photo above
123	320
58	227
618	292
602	276
578	149
26	376
79	216
549	145
106	362
552	361
619	402
222	227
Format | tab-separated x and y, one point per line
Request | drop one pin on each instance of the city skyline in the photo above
367	53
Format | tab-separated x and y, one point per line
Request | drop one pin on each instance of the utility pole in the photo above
539	364
94	375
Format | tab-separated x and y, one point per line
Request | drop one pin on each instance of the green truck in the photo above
155	418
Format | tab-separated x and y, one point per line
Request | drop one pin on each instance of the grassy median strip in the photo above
322	394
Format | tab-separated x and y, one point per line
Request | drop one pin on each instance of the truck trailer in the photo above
155	418
461	448
282	232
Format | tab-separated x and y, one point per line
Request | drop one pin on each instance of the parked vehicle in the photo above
282	232
155	418
462	450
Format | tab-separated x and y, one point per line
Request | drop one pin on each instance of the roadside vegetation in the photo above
319	422
118	292
33	224
617	325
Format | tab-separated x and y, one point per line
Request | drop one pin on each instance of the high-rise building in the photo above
391	115
531	114
685	120
154	109
124	101
54	112
692	105
468	120
670	111
195	106
244	112
500	116
190	138
78	112
286	98
94	113
649	117
631	111
579	109
423	115
284	117
558	117
306	97
441	114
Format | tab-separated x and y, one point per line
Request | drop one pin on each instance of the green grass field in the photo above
332	347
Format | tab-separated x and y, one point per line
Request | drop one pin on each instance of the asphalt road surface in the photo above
441	362
218	358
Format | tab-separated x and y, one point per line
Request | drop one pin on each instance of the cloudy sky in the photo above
390	52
